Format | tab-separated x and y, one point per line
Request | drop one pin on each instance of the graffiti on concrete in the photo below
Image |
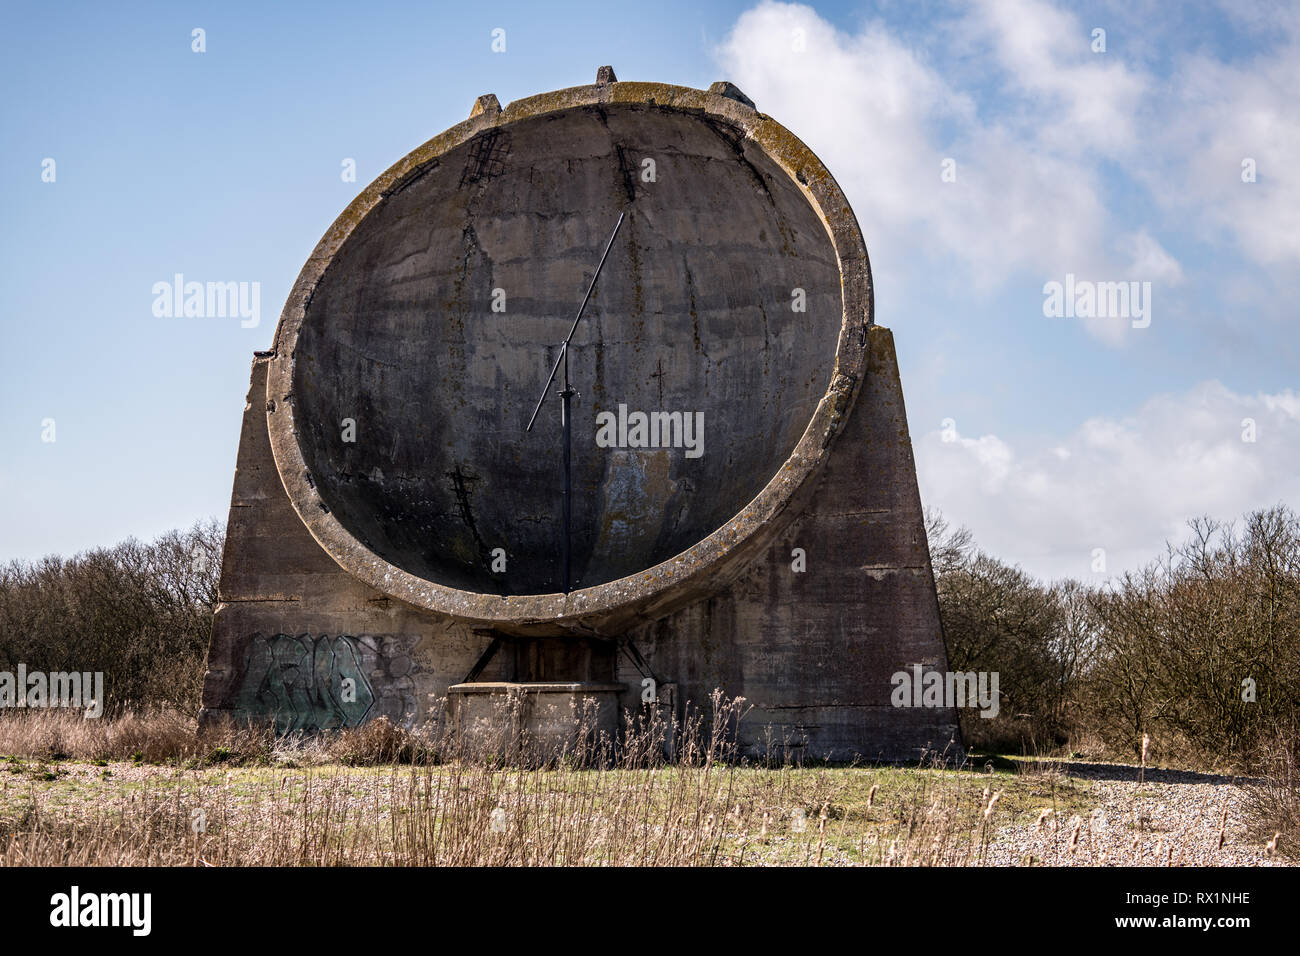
305	683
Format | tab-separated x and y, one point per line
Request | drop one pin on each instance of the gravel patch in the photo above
1173	818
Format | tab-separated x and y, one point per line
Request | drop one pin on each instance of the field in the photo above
305	803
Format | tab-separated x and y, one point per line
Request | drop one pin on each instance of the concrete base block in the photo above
534	722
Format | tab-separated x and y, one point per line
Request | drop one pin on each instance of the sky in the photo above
988	149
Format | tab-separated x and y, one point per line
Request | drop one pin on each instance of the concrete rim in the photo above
653	585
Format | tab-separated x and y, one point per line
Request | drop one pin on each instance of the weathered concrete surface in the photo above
536	722
697	125
693	313
276	580
329	542
811	652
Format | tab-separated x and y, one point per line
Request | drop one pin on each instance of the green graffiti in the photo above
304	683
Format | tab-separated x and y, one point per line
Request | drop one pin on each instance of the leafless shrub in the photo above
141	614
1273	802
1198	653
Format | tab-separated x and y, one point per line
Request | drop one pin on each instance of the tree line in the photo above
1198	652
140	613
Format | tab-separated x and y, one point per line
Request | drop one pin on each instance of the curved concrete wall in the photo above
407	336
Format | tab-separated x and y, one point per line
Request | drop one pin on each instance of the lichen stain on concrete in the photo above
637	484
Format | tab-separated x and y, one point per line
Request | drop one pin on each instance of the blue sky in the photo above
1067	435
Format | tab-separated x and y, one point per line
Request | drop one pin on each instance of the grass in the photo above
379	796
117	794
466	814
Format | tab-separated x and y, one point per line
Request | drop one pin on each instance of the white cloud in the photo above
1218	117
1124	485
1040	127
1080	99
883	119
1068	161
1150	261
1185	137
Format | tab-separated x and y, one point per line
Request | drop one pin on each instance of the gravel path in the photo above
1174	818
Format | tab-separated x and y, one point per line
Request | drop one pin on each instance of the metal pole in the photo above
566	394
578	318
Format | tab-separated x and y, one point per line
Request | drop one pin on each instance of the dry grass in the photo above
162	736
73	793
467	813
1273	801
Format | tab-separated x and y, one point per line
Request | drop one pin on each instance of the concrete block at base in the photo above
535	722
